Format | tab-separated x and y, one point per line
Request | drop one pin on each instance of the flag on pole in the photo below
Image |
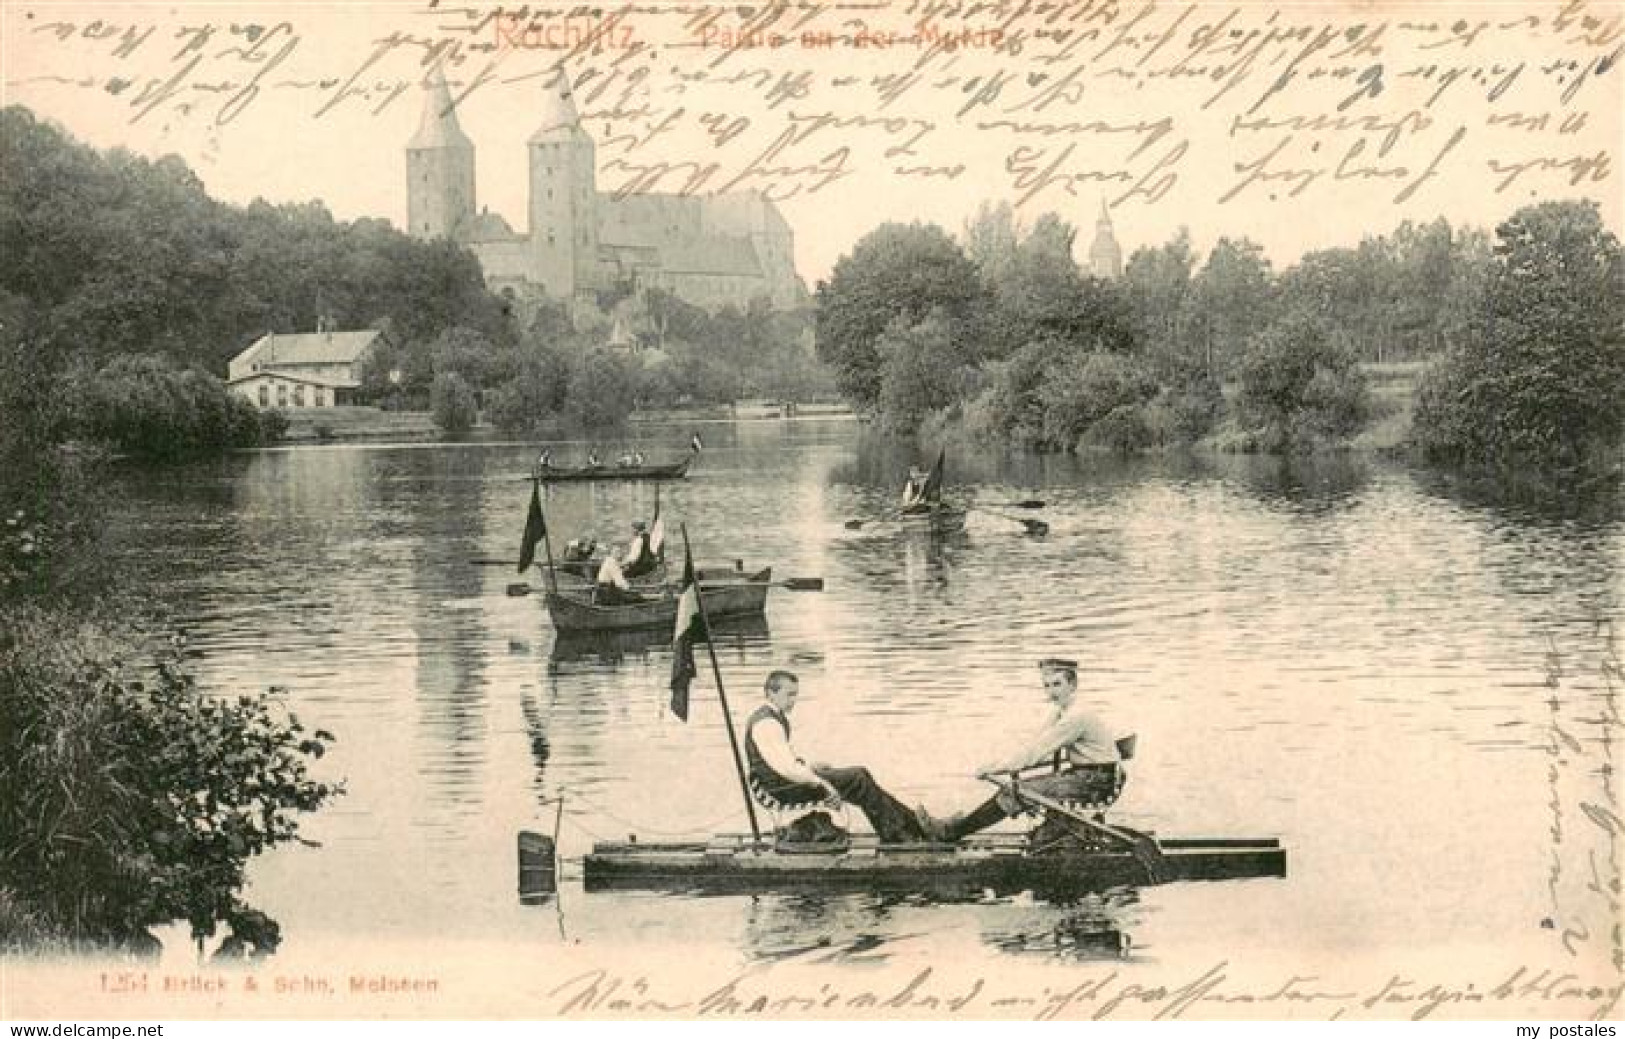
690	629
535	528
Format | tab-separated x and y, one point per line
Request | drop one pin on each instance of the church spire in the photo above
1105	255
438	128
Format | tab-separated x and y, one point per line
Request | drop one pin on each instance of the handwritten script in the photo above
1135	102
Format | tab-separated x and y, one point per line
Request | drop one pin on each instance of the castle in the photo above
707	251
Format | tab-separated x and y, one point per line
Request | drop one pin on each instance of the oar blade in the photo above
804	584
518	589
1037	528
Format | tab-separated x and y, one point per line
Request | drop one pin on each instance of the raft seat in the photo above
785	813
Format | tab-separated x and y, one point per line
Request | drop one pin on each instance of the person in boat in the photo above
592	460
1084	760
612	588
625	461
545	459
579	550
640	559
914	490
782	774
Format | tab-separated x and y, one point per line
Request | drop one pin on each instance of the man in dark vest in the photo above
784	776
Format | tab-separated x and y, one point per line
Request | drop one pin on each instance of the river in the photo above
1360	658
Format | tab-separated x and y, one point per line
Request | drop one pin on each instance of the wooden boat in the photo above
737	595
572	646
999	862
571	474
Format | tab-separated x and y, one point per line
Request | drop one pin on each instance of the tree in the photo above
895	273
1540	379
1233	297
1157	283
922	371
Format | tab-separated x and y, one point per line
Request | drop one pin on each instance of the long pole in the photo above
722	694
547	546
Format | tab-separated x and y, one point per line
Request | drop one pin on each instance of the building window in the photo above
282	395
299	396
265	396
317	393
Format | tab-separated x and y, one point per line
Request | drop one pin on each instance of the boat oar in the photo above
1142	847
1025	503
790	584
857	524
1035	527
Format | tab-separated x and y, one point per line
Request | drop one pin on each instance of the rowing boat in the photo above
733	595
571	474
1002	863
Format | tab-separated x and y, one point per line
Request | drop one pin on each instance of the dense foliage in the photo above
1005	337
112	254
128	798
895	277
1540	376
143	405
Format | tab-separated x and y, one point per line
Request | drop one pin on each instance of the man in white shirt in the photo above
782	774
1084	758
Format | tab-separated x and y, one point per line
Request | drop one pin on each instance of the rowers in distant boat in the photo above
629	465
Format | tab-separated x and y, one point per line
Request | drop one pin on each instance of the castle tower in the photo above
1105	256
439	168
563	197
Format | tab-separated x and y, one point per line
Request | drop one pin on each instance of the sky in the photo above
1298	126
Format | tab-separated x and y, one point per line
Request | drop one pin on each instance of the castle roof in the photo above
558	110
438	128
487	226
711	254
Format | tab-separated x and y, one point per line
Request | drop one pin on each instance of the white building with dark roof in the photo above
303	370
708	251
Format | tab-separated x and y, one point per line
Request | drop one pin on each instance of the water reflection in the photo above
611	648
1314	485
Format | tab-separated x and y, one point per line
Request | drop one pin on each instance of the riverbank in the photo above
365	424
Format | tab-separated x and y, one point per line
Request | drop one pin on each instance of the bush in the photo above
602	390
1077	396
144	405
452	404
128	799
1124	429
273	425
1299	388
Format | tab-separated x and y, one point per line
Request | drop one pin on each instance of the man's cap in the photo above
1057	664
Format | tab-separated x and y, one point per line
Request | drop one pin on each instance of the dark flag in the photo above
535	528
932	490
689	630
